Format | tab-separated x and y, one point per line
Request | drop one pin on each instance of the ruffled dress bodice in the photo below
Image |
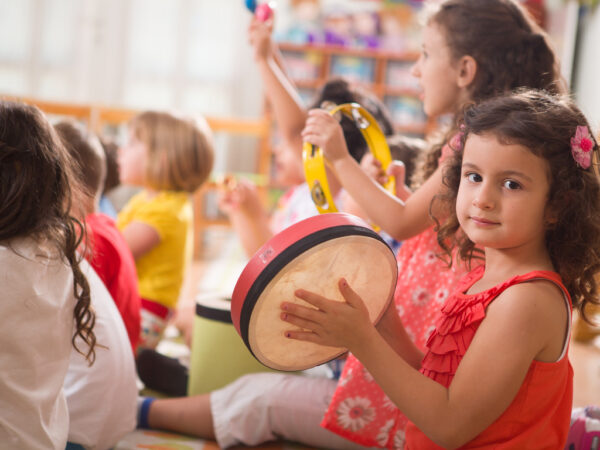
540	411
456	325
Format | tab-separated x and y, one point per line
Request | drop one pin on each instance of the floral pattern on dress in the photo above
388	403
354	413
420	296
367	376
430	257
384	433
441	295
399	439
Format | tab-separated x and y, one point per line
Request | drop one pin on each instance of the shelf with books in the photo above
387	74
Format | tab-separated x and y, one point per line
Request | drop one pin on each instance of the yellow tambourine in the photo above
314	160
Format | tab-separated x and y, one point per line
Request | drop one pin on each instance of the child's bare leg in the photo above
187	415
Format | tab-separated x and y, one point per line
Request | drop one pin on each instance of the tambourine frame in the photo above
315	162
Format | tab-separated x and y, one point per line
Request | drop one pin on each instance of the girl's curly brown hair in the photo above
510	49
35	200
544	124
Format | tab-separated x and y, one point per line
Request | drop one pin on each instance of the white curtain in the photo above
189	55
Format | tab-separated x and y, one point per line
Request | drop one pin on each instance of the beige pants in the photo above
262	407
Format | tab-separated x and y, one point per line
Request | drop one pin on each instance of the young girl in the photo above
40	274
496	373
170	157
472	50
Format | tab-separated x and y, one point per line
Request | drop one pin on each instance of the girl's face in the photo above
288	165
437	74
503	194
132	161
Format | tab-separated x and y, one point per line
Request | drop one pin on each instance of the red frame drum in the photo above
312	254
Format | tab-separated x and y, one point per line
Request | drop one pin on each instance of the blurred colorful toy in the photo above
584	433
262	11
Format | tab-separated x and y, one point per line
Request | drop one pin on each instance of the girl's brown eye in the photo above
512	185
473	177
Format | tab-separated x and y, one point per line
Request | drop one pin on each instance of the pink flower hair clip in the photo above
456	143
582	145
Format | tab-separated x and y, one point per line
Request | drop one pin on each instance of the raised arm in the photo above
281	93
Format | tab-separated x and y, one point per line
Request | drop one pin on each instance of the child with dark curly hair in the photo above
522	208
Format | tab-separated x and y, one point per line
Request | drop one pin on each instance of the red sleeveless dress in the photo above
539	415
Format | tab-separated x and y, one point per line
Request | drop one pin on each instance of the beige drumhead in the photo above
366	263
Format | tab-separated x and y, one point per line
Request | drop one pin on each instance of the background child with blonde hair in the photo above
169	157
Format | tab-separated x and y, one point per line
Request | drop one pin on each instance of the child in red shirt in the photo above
106	249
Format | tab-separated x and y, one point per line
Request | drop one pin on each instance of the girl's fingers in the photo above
310	130
312	298
300	311
299	335
398	170
312	125
317	112
351	297
298	321
310	138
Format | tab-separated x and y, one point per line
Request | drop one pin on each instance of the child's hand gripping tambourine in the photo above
314	160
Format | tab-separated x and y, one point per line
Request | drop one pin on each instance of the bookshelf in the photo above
385	73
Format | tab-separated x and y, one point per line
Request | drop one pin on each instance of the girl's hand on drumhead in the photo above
333	323
324	131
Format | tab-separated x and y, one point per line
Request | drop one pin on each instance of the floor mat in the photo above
161	440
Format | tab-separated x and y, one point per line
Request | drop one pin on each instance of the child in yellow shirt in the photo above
169	157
